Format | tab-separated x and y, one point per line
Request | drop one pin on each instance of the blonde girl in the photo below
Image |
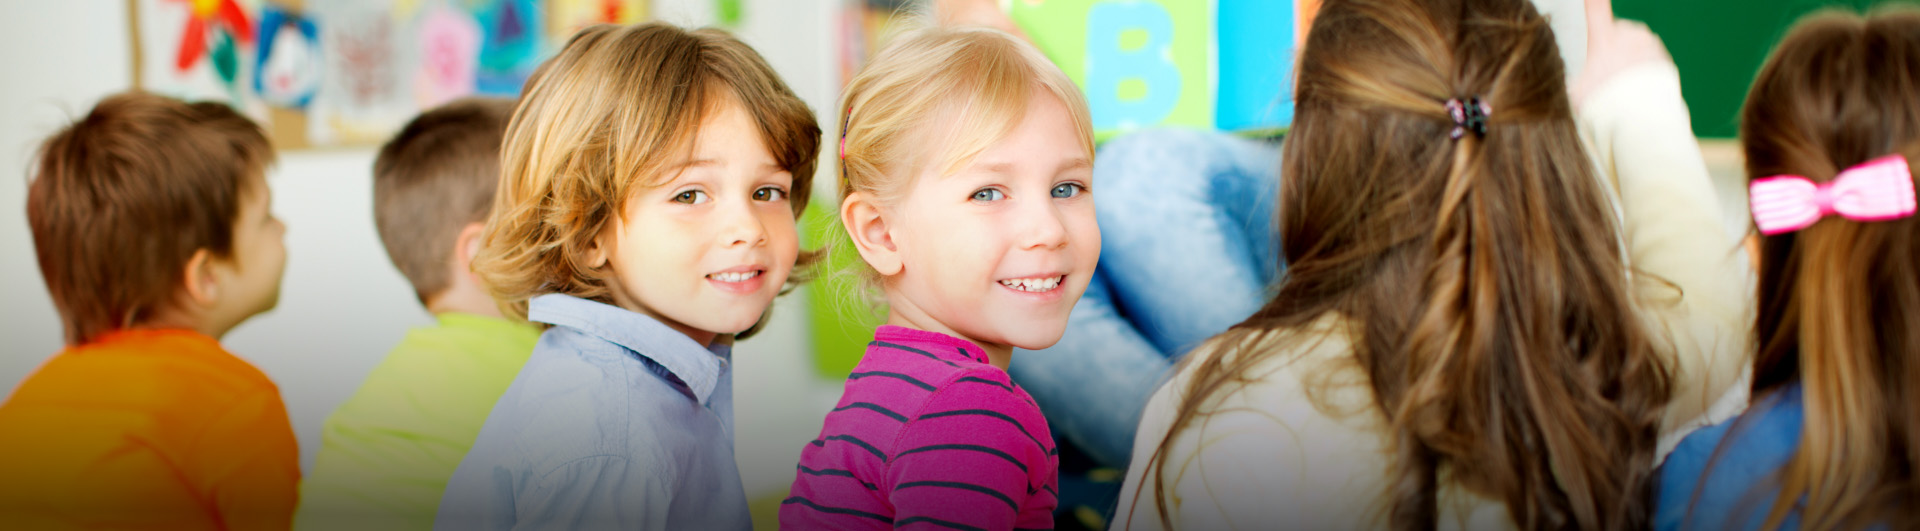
967	186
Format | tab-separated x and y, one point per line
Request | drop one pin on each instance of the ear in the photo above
868	228
602	245
467	246
201	287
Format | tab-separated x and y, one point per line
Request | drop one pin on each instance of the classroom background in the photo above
343	305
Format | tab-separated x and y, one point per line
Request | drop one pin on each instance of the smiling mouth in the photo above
1034	285
737	276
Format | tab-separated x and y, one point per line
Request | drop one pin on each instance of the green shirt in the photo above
387	452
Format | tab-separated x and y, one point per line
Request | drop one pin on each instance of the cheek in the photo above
1084	230
641	245
938	239
782	233
968	251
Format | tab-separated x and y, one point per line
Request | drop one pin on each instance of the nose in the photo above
741	226
1045	227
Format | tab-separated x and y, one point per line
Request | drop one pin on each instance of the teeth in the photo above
734	277
1033	284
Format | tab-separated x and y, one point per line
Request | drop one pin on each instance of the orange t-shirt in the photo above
149	429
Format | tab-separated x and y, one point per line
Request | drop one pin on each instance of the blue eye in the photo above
690	197
988	194
1066	190
770	193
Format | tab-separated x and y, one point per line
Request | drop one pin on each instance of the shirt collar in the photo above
699	367
942	345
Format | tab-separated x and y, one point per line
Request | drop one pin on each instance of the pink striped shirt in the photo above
928	435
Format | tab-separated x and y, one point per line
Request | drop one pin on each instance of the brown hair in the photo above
981	79
1490	302
609	115
434	177
124	197
1839	302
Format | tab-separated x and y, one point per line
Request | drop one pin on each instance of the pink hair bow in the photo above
1876	190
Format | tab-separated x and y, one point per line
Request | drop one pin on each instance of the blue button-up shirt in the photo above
617	421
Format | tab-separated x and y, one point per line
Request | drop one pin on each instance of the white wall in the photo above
342	303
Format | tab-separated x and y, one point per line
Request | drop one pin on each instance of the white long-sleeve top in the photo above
1303	445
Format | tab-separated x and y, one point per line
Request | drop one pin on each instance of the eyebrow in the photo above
774	166
1007	167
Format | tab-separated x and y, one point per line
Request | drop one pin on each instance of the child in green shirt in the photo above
387	452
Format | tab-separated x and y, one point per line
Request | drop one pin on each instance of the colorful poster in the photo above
347	72
1221	64
1141	63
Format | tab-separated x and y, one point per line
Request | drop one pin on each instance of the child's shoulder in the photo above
1768	431
982	389
166	365
934	363
448	374
460	349
930	374
170	389
609	373
1714	469
976	405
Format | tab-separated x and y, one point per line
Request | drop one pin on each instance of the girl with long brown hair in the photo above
1460	339
1832	437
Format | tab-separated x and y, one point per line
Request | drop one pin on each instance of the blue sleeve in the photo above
1723	477
1679	477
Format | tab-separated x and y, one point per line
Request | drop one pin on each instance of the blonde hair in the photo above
610	115
982	80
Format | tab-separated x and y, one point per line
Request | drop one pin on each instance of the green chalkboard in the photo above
1719	46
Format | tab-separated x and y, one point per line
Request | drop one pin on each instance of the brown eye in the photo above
769	193
690	197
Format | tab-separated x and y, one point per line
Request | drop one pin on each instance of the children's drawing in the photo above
449	49
351	71
566	17
365	95
511	44
195	49
206	21
289	64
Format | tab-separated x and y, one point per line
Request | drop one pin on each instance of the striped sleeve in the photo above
977	456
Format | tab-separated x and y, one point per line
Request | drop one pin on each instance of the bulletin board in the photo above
350	72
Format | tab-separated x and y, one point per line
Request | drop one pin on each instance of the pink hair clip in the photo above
1876	190
845	125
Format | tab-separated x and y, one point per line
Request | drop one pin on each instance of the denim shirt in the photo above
617	421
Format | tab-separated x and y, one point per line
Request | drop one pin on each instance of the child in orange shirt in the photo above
151	222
